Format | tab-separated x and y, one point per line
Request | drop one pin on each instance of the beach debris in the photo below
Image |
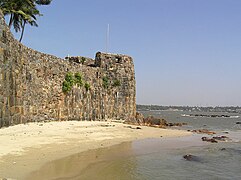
238	122
203	131
107	125
132	127
190	157
128	127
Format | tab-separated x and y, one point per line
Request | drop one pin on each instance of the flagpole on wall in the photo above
107	38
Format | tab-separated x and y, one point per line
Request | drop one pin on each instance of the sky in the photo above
186	52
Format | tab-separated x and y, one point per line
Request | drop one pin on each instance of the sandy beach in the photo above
27	147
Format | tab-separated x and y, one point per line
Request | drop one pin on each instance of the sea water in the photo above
162	158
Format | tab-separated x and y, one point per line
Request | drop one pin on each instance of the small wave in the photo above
185	115
234	116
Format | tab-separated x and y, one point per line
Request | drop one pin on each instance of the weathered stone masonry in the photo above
31	85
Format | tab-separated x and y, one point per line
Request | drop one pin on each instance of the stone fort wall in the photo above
31	85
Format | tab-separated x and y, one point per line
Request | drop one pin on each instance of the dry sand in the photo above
27	147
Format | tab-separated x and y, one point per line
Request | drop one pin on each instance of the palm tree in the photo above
22	12
29	19
43	2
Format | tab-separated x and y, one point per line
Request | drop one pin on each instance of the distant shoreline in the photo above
27	147
230	109
210	115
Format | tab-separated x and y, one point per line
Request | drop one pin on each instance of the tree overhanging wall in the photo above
31	85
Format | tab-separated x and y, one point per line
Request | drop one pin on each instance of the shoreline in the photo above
25	148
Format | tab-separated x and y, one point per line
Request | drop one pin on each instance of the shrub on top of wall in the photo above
83	59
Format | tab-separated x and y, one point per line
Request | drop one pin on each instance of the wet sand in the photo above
26	148
110	162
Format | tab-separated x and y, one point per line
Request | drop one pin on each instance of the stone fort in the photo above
31	85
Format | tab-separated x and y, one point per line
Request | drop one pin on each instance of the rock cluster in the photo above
152	121
159	122
202	131
215	139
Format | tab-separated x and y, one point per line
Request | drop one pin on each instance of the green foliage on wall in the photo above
66	87
78	79
116	83
71	80
87	86
83	59
68	82
105	82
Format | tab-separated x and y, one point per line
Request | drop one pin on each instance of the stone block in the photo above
12	111
1	51
18	109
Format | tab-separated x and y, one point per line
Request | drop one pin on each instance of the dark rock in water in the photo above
211	140
221	138
215	139
190	157
238	122
231	150
203	131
